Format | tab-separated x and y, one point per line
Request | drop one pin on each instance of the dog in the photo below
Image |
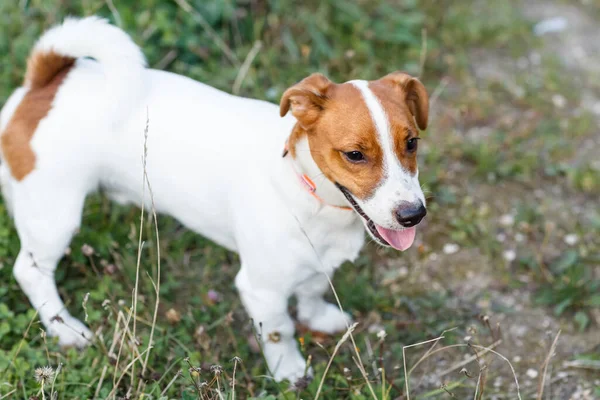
292	190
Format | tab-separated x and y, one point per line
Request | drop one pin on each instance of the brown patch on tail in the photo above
45	73
43	67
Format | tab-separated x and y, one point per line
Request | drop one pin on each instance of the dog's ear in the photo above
307	99
414	93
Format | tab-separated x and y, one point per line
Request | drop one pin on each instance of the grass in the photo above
496	138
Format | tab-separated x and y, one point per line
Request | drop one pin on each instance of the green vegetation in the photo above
511	234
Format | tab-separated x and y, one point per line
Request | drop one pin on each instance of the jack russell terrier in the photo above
215	163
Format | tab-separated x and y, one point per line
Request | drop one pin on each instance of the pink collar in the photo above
310	186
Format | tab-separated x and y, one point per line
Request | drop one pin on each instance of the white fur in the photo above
398	185
305	164
121	59
214	162
9	108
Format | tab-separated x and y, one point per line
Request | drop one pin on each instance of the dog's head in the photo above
363	136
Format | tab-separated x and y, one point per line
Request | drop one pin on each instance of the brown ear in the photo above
306	99
415	95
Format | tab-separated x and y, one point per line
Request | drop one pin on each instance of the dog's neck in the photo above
304	164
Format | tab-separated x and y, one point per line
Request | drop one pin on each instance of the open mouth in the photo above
398	239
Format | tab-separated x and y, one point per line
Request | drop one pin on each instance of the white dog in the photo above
215	163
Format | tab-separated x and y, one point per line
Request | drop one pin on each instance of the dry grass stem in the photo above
406	374
423	56
99	385
115	13
454	367
209	30
469	359
335	350
171	382
25	334
140	242
130	365
359	362
583	364
158	265
6	396
430	350
246	67
542	382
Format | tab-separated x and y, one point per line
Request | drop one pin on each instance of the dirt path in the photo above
578	47
485	284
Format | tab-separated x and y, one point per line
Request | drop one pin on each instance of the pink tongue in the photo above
400	240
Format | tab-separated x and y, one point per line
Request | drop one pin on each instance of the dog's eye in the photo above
411	144
354	156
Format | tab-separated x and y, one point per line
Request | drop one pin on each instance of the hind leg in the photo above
46	219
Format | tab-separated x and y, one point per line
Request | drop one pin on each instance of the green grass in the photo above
473	177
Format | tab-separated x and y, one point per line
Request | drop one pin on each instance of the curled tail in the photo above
49	64
91	37
75	38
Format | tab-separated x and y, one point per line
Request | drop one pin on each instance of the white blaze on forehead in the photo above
381	121
391	164
398	184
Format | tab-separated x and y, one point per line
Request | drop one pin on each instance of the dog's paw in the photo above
70	332
294	371
330	319
285	361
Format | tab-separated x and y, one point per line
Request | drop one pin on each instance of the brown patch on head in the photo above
45	73
406	105
335	118
410	91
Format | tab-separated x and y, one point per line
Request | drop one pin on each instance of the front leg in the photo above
267	306
314	311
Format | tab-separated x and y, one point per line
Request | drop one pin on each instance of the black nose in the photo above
410	214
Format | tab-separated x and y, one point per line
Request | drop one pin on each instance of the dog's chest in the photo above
334	242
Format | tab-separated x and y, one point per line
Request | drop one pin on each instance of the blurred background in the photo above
508	256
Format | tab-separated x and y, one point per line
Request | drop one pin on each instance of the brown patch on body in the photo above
45	73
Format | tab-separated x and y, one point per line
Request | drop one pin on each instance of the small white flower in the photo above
507	220
562	375
451	248
381	334
44	374
532	373
571	239
87	250
559	101
509	255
